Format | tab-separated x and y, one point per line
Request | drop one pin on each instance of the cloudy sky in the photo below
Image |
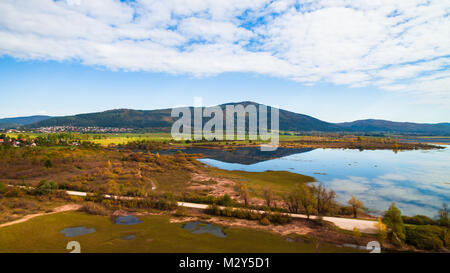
337	60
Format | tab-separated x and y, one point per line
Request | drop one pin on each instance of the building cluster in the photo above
59	129
23	142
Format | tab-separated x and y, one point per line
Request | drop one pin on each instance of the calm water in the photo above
127	220
417	181
77	231
197	227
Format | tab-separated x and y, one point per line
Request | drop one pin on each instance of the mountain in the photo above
161	120
19	121
376	125
241	155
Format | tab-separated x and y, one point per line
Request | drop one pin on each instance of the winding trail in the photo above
68	207
366	226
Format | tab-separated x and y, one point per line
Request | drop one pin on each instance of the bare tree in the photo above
243	192
268	196
325	200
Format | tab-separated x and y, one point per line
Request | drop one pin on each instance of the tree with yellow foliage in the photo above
243	192
356	234
356	205
381	230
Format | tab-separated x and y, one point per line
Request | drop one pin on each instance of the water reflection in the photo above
77	231
241	155
417	181
198	227
127	220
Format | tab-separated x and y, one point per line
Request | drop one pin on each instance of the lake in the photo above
418	181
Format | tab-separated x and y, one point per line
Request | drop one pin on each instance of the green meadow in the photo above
154	234
278	181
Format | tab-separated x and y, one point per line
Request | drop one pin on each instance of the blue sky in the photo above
53	88
334	60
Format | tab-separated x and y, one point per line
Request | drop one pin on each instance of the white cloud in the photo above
403	46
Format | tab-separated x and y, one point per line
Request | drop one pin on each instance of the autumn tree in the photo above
243	192
268	196
306	200
300	199
381	230
356	205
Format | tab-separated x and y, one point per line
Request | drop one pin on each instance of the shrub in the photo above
181	211
381	230
356	234
46	187
345	210
253	215
264	221
14	192
48	164
94	209
278	218
225	201
3	188
425	237
419	220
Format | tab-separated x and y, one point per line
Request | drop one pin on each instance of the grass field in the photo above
278	181
154	234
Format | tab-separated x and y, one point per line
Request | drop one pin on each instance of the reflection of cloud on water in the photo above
377	193
393	176
414	180
353	184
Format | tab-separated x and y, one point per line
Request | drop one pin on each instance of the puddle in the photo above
198	227
127	220
354	246
77	231
129	237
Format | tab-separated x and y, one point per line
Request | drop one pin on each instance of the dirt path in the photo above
365	226
31	216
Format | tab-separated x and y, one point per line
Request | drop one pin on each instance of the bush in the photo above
345	210
3	188
419	220
264	221
14	192
425	237
46	187
278	218
181	212
48	164
94	209
225	201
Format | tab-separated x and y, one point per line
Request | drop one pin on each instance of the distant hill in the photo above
127	118
161	120
376	125
119	118
20	121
